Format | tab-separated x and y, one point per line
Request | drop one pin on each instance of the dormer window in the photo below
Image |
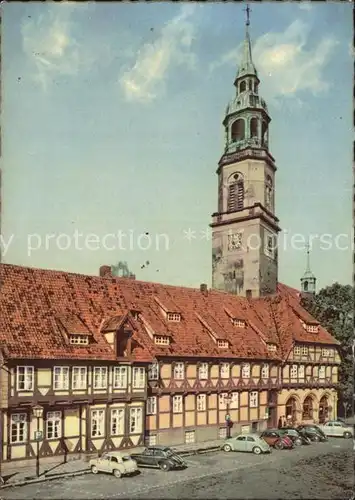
176	317
161	340
135	314
312	328
222	344
239	323
271	347
79	339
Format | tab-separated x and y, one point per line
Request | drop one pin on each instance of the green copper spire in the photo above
246	66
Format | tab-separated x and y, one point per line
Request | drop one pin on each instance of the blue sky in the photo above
112	121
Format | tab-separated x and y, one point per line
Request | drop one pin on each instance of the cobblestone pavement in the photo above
323	470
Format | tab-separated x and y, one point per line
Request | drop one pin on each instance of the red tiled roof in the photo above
32	300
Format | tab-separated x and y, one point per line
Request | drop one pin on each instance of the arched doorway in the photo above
307	408
323	413
291	409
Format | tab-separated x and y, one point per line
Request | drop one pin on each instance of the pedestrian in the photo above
283	421
279	425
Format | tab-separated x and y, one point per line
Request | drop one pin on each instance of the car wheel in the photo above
164	466
316	439
347	435
279	445
94	469
256	450
227	447
298	442
117	473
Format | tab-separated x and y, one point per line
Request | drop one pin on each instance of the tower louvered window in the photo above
236	196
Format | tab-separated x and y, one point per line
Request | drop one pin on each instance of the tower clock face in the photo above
235	241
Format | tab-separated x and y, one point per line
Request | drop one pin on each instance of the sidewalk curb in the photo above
42	479
82	472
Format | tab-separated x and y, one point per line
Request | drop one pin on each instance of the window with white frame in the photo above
301	372
189	437
117	422
177	404
18	428
54	424
25	378
138	377
222	344
294	371
203	371
225	368
265	371
326	353
239	323
161	339
179	372
61	378
100	377
304	350
97	423
312	328
297	350
253	399
271	347
151	405
321	373
79	339
79	377
222	432
153	371
120	377
222	400
174	317
201	402
135	420
245	370
234	401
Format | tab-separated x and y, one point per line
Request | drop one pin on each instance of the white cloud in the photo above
305	5
154	60
286	65
50	44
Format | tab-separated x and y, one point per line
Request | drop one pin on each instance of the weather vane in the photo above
248	10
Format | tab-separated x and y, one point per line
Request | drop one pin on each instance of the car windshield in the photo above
170	453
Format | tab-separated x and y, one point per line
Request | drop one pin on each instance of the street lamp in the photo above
38	413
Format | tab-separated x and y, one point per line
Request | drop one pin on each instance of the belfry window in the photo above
264	134
254	128
238	130
269	193
242	86
236	194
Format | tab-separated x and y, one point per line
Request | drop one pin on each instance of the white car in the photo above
335	428
114	462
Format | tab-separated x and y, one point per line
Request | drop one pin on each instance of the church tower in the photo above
308	280
245	228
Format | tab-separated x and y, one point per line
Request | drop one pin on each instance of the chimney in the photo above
203	288
249	294
105	272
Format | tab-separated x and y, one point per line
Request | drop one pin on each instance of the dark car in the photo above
274	438
313	432
161	457
298	437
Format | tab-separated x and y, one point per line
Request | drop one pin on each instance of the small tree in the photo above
333	307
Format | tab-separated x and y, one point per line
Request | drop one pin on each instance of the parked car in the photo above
246	442
297	437
274	438
337	429
161	457
314	432
115	462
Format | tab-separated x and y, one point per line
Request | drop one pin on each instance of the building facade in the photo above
116	363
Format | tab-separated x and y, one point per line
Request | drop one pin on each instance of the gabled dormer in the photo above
271	347
118	332
235	320
214	330
74	329
169	310
158	337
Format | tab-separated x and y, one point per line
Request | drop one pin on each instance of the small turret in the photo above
308	280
